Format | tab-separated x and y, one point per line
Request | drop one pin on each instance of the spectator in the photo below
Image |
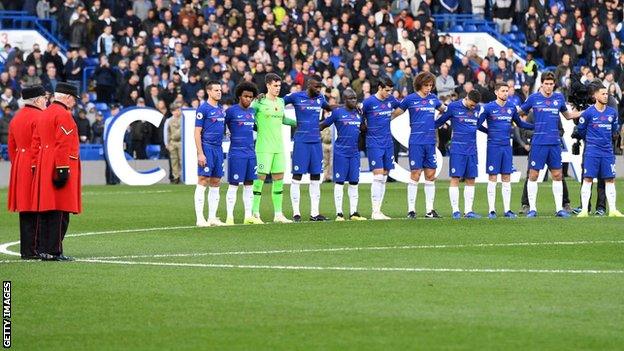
105	41
104	81
73	68
35	58
8	100
174	142
445	84
30	79
97	129
78	33
52	55
84	127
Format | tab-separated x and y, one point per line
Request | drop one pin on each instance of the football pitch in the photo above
146	278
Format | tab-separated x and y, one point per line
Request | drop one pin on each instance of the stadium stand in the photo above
123	51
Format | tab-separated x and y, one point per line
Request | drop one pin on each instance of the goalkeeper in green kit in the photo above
270	146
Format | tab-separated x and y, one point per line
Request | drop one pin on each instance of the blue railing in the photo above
48	27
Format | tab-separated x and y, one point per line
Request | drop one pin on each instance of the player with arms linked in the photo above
347	121
499	114
463	160
307	154
242	165
209	130
598	125
546	143
377	111
421	106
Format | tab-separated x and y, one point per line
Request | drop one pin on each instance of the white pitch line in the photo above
363	269
126	192
366	248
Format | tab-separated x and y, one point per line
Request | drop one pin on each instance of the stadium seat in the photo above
91	152
92	96
4	152
457	28
521	37
514	28
471	28
484	28
101	106
153	151
511	37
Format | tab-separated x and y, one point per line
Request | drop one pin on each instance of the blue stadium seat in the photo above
514	28
521	37
471	28
91	152
101	106
484	28
457	28
153	151
92	96
4	152
92	61
511	37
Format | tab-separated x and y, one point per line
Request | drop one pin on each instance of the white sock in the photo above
338	194
506	191
230	200
586	190
354	196
557	189
610	193
491	196
295	196
383	190
200	194
213	201
532	195
412	192
429	195
315	197
469	191
376	192
454	197
248	199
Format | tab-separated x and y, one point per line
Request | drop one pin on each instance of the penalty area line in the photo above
358	269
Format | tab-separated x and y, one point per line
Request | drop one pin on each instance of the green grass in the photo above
84	306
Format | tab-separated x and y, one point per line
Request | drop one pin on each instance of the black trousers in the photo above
29	233
53	226
525	197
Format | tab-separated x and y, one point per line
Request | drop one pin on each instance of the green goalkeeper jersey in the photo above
269	117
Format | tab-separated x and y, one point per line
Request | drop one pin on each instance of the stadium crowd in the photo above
155	53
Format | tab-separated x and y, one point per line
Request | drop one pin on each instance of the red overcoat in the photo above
21	130
56	145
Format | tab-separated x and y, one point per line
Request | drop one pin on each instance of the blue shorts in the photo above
541	155
380	158
214	163
346	168
422	156
307	158
463	166
499	160
241	168
602	167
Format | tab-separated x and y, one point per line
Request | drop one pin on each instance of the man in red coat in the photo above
56	149
21	130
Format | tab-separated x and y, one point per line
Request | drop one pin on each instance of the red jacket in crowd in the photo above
21	131
56	145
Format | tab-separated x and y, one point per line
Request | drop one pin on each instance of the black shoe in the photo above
64	258
318	218
297	218
31	257
525	209
48	257
340	217
411	215
432	214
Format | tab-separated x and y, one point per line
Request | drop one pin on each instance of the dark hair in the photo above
272	77
246	86
548	76
385	82
500	85
423	78
474	95
312	78
211	83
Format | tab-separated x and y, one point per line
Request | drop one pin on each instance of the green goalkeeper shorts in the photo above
270	163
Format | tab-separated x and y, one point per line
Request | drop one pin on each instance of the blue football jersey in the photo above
211	119
378	115
240	123
499	120
422	117
308	112
546	117
598	129
347	124
464	127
